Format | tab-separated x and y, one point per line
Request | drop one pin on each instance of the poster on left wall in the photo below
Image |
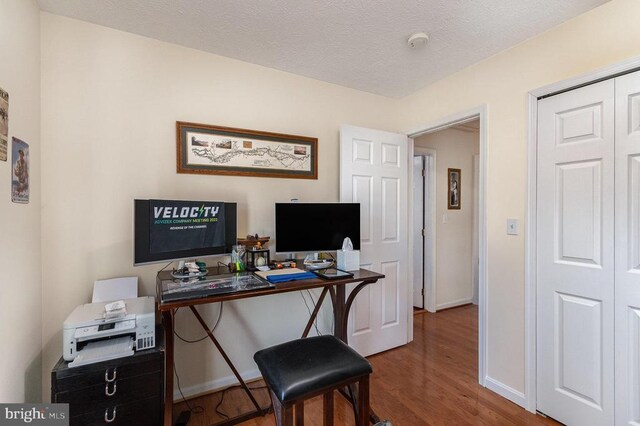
19	171
4	124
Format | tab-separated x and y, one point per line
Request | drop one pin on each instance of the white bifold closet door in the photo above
627	251
588	254
575	270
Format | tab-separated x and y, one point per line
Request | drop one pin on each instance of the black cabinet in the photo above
124	391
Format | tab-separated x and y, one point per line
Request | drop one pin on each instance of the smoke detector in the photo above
417	40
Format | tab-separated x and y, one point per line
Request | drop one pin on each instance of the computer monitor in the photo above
168	230
316	227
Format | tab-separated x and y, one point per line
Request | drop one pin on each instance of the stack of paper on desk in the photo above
265	274
284	275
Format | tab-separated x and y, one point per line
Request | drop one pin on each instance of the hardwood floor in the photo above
431	381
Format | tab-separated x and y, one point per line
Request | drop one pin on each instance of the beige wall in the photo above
21	282
110	101
603	36
454	149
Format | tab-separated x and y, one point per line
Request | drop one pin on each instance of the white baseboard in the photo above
505	391
453	304
213	385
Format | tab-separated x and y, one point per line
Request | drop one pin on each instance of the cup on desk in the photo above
238	253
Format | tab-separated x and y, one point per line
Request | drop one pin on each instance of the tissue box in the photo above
349	260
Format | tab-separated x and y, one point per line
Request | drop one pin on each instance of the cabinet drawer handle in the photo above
106	389
106	415
106	375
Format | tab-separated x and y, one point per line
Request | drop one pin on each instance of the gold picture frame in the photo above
217	150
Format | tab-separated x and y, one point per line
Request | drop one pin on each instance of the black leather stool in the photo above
304	368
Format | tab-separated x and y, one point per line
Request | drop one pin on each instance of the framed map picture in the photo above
206	149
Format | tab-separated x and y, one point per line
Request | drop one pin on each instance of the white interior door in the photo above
575	256
627	269
374	173
417	229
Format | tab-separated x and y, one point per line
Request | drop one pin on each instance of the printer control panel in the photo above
107	329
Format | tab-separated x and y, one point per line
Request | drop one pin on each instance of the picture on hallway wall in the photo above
455	180
206	149
4	124
19	171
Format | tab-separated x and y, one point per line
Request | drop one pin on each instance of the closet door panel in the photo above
627	249
575	261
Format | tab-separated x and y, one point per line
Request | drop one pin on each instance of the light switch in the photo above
445	218
512	226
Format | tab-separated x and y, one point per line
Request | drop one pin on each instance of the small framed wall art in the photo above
455	180
216	150
20	159
4	125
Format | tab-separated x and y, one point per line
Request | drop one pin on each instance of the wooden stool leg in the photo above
363	401
277	408
283	413
300	413
327	407
287	415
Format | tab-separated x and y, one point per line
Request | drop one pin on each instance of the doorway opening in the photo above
445	217
448	230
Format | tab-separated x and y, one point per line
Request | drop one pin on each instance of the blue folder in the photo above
290	277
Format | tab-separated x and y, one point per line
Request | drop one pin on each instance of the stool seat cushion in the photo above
305	366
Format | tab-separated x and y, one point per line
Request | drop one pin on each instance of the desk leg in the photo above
167	319
340	314
259	410
305	333
341	309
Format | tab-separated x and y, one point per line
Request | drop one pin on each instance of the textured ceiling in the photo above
354	43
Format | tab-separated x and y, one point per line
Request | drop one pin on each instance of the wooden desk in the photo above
341	307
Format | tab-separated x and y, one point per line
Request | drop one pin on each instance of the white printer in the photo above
93	334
